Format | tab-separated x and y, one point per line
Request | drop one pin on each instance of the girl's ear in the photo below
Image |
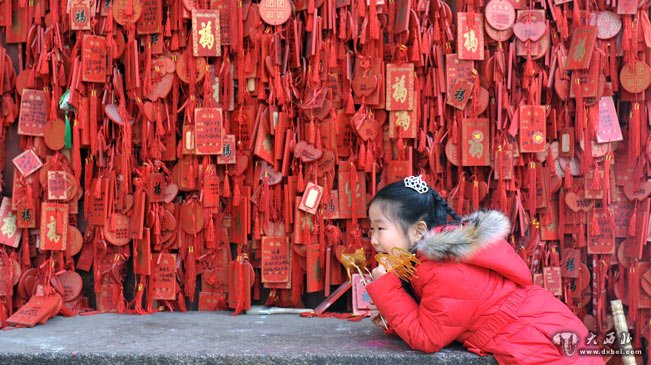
419	229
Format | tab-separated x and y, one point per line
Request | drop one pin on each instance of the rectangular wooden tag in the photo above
570	260
608	129
459	93
224	8
27	162
397	170
228	151
35	310
403	124
314	276
627	7
34	108
17	30
10	234
532	128
347	190
151	20
98	209
211	190
57	186
400	86
604	242
456	68
209	301
137	218
361	300
330	207
80	14
275	260
142	254
549	232
164	276
581	47
208	131
552	279
206	36
93	59
470	37
311	198
344	134
54	226
5	13
475	139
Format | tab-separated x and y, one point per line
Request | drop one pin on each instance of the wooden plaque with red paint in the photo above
456	68
142	254
532	128
206	36
20	20
459	93
275	260
470	37
400	87
54	226
552	280
9	232
208	131
93	59
314	276
27	162
602	243
224	8
475	139
330	207
80	15
34	108
164	276
151	21
351	192
37	309
583	43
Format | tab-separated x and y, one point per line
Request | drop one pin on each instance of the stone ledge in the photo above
214	338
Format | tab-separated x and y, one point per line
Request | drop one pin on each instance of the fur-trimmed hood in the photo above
469	240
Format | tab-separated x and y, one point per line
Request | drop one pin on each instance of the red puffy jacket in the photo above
475	289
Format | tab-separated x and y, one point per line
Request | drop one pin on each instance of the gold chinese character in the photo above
471	42
476	147
402	120
399	90
579	51
52	231
9	225
207	38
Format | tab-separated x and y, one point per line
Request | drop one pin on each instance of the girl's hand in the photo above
377	319
378	272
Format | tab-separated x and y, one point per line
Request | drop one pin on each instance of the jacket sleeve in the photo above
428	326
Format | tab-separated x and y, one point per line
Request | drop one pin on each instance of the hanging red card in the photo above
205	33
208	131
344	134
361	299
27	162
552	280
346	194
602	243
583	43
549	232
275	260
588	81
209	301
93	59
314	276
224	8
311	198
240	220
164	276
608	129
627	7
5	13
151	20
228	152
475	137
20	21
330	207
80	15
264	147
34	108
54	226
459	93
470	37
57	186
456	68
532	128
400	86
507	164
9	232
37	309
98	209
397	170
403	123
142	254
303	224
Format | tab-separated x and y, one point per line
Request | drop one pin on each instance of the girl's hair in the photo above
406	206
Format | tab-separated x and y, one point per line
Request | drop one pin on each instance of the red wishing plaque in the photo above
54	226
627	7
80	15
635	77
164	276
9	232
151	20
608	129
351	193
93	58
459	93
470	37
532	128
5	13
34	107
456	68
552	280
400	87
275	260
583	43
361	300
228	151
19	23
475	139
275	12
397	170
57	186
314	276
35	310
224	8
602	243
206	37
403	123
330	207
208	131
27	162
311	198
142	254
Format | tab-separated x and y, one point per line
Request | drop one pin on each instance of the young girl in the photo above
470	285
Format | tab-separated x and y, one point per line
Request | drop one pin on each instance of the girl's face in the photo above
386	234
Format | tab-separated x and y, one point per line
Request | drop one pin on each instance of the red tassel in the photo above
634	133
300	184
609	157
595	230
108	27
568	182
581	238
362	154
174	44
475	195
190	272
237	195
227	186
596	179
168	25
311	132
633	223
350	103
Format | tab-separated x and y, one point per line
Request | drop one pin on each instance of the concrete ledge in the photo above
214	338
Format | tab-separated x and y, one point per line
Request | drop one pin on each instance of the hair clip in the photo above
416	183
